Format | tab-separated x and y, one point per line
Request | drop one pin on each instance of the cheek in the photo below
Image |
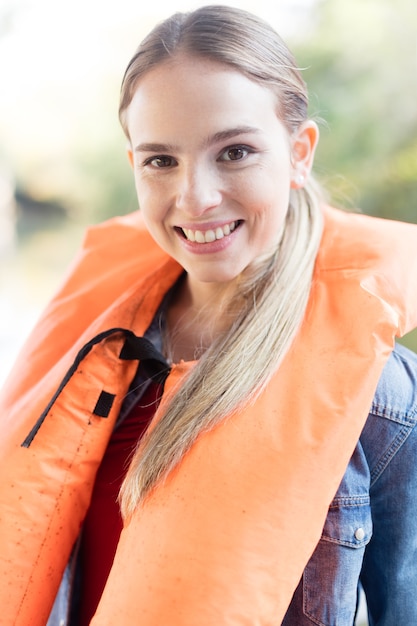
150	198
154	207
267	196
156	228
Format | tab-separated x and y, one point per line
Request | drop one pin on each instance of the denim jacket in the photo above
370	534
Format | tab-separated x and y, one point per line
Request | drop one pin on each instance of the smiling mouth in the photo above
210	235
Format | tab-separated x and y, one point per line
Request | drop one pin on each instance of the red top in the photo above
103	524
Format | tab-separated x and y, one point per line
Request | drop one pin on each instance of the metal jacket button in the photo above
359	534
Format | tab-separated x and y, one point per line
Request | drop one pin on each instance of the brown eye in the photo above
161	161
235	153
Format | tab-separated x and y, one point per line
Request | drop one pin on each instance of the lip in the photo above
208	247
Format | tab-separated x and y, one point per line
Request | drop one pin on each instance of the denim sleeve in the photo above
389	573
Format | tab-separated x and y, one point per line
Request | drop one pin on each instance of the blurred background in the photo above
62	153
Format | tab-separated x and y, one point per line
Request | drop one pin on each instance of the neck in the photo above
197	315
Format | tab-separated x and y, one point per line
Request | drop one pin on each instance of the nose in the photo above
198	189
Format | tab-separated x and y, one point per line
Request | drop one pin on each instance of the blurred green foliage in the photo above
361	69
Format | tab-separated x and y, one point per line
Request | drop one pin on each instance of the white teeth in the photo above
199	236
208	236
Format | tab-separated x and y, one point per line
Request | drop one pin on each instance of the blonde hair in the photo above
273	293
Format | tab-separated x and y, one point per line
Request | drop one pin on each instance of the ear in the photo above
303	146
130	154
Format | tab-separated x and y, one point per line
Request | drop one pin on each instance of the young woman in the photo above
242	333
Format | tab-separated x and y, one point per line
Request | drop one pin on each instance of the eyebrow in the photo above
222	135
155	147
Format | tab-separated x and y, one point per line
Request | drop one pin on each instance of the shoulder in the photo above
396	394
375	261
380	240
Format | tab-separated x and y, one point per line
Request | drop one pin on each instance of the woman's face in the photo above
213	165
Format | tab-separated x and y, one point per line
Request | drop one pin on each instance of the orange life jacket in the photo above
225	538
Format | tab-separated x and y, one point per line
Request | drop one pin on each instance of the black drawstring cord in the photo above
154	364
134	348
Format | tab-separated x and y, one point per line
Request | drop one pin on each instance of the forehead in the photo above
184	94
